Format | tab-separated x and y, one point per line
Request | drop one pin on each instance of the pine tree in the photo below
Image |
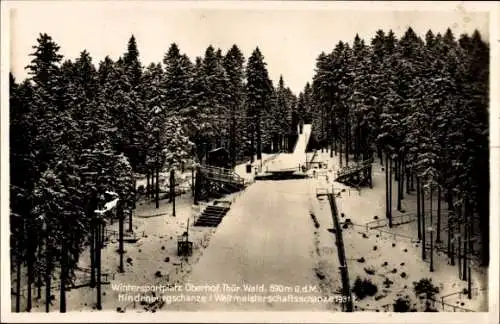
233	64
44	67
259	90
132	63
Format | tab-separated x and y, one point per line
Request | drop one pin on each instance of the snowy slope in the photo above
267	238
289	161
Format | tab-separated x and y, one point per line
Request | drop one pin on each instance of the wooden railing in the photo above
461	293
354	168
449	307
222	174
387	234
397	220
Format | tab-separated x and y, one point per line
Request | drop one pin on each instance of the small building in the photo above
219	157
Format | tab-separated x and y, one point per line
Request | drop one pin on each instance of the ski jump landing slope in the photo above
291	161
267	238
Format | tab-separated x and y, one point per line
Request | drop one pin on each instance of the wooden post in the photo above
346	292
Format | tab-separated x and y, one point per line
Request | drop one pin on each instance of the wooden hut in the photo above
219	157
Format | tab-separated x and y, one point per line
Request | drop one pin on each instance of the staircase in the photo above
211	216
215	182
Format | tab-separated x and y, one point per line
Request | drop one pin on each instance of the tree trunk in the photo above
64	271
346	143
120	215
340	152
357	140
18	282
134	194
419	213
93	246
402	170
252	144
172	190
390	193
379	152
157	189
148	188
335	142
422	196
197	186
438	226
483	211
232	138
430	224
103	227
459	254
331	139
130	229
48	283
48	272
387	215
192	182
31	257
400	183
408	177
98	265
450	243
465	247
471	242
259	140
396	169
449	198
39	285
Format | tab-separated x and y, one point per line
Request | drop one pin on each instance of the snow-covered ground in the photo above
401	252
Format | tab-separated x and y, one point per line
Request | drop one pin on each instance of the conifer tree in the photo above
258	91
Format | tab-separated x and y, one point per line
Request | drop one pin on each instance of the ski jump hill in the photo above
290	162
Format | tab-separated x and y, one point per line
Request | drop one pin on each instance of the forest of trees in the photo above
420	106
78	130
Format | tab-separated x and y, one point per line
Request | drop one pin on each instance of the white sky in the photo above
289	37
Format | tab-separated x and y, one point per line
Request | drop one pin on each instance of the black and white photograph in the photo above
250	157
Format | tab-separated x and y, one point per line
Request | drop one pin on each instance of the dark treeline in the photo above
78	130
421	107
